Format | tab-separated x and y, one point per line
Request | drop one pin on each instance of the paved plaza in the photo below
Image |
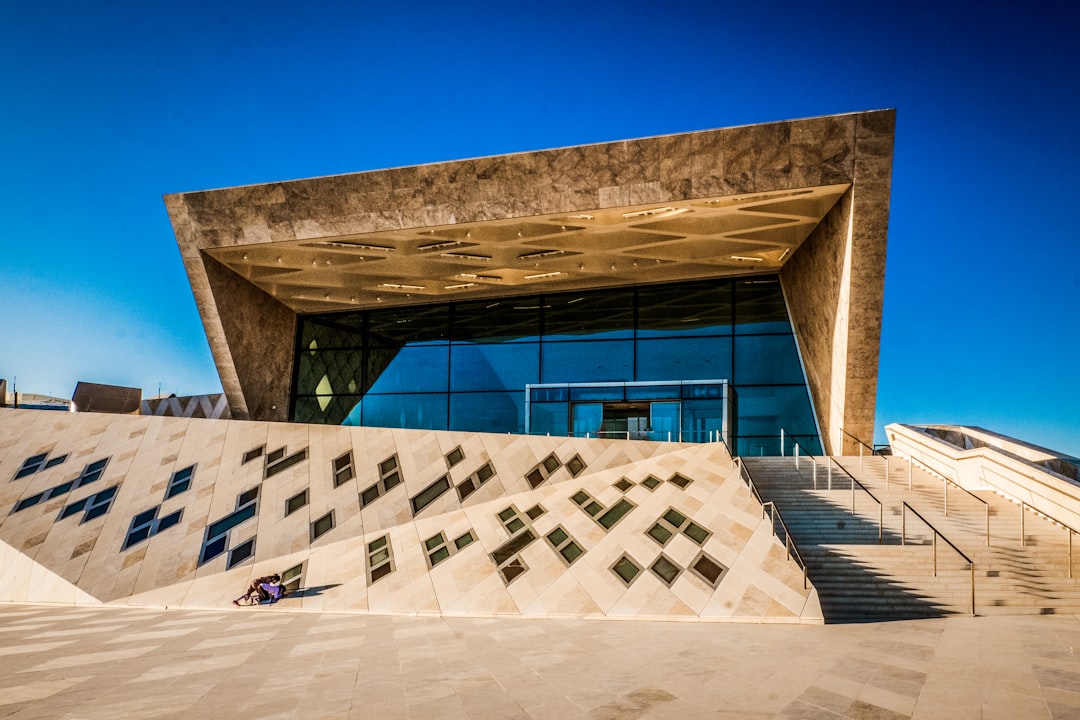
68	662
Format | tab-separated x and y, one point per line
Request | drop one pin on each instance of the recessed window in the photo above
179	482
430	494
322	526
389	478
623	484
651	482
252	454
472	483
674	521
380	560
539	474
277	461
292	578
575	465
92	507
565	545
438	549
626	569
535	511
296	502
147	524
512	569
454	457
240	553
36	463
665	569
343	469
617	512
708	569
216	539
680	481
91	473
512	547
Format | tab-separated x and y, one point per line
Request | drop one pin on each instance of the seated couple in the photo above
262	589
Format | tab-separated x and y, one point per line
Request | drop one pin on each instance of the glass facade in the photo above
465	365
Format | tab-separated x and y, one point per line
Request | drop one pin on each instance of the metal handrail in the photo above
1023	541
945	493
854	482
774	515
935	536
871	448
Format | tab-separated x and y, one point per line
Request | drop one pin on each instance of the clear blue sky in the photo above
105	107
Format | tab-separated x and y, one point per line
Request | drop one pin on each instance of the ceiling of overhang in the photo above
660	242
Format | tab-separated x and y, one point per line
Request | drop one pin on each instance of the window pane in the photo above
684	359
764	410
494	367
405	411
686	309
607	314
587	361
549	419
409	369
408	325
759	306
513	320
488	412
767	359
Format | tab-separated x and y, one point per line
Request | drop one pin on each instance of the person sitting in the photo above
255	590
274	591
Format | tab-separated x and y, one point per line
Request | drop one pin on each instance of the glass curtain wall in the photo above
465	365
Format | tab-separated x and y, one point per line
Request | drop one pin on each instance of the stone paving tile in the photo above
74	663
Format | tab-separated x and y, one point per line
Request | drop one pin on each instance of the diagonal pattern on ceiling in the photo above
671	242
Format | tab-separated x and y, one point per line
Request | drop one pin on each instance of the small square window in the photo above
273	457
575	465
626	569
252	454
376	544
580	497
551	464
454	457
665	570
623	484
659	533
391	481
240	553
434	541
439	555
571	552
485	472
514	525
513	569
708	569
377	573
388	465
696	533
322	526
679	480
296	502
464	540
593	507
535	478
535	511
557	536
616	513
675	518
651	482
369	496
466	488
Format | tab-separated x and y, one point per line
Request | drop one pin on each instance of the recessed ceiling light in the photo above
397	286
746	258
542	275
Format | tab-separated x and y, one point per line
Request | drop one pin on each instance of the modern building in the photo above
694	287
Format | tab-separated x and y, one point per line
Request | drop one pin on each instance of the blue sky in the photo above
106	107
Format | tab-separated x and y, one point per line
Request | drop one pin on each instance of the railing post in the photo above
934	535
1023	540
795	450
880	521
986	507
782	453
903	524
910	464
852	496
972	589
815	474
860	456
787	543
1070	551
945	488
829	466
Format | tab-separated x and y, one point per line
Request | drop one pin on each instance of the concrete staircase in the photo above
860	579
